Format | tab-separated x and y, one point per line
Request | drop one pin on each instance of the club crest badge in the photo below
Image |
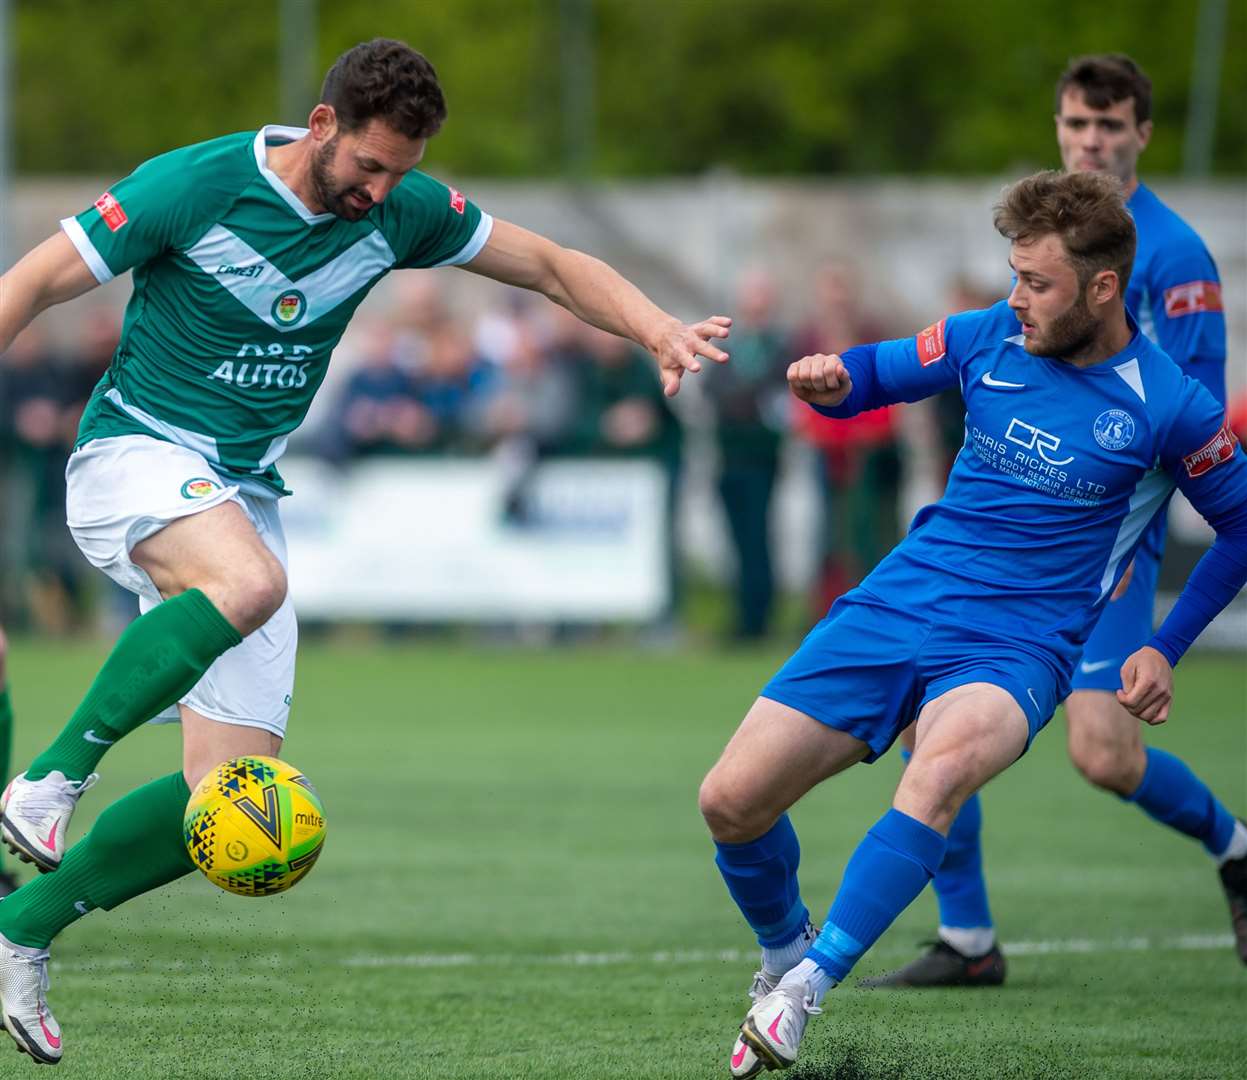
1113	429
289	307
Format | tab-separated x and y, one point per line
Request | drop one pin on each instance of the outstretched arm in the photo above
598	295
50	274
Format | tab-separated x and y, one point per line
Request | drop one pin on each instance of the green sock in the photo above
156	661
6	739
136	845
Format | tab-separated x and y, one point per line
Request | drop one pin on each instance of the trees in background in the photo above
676	86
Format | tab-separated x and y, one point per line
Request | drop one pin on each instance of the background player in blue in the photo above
1103	124
1077	430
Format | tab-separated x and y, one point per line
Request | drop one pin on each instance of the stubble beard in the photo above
1071	334
328	194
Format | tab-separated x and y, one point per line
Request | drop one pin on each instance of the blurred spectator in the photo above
1236	414
748	398
621	412
533	399
860	457
39	437
419	307
379	411
456	387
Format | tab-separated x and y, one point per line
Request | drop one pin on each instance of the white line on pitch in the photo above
1183	943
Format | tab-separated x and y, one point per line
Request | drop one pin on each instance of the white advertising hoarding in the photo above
579	541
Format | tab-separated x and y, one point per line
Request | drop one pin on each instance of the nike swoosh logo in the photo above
1000	383
1099	665
90	736
773	1030
54	1041
81	907
50	842
980	966
739	1056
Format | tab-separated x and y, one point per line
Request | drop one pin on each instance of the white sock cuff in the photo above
1237	847
969	940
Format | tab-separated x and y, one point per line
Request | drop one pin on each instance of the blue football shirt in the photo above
1062	471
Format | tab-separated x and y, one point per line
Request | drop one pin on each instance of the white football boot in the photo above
23	986
34	816
774	1027
744	1062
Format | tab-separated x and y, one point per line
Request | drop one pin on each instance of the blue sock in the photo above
890	867
762	878
1176	797
959	883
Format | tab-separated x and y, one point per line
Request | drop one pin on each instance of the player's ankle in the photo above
969	940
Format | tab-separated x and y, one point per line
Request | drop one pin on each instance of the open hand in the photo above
679	348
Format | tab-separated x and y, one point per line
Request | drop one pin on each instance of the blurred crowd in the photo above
527	382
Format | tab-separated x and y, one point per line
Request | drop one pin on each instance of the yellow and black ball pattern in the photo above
254	826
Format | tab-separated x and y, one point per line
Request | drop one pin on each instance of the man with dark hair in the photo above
1103	124
1078	428
250	254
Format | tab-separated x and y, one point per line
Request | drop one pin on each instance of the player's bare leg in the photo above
775	757
963	739
1106	746
215	564
206	743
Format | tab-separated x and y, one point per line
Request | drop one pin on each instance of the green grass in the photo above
515	809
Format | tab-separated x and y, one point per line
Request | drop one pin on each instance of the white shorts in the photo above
122	490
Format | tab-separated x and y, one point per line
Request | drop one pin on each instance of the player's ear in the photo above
323	122
1104	287
1145	134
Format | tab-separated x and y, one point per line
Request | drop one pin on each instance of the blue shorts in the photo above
867	669
1125	626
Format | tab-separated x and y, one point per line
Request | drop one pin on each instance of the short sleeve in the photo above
136	220
429	224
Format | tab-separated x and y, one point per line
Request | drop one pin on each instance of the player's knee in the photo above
1105	765
251	595
727	813
933	789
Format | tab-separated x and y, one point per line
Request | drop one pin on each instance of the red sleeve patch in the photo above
457	201
1192	298
931	344
110	210
1219	448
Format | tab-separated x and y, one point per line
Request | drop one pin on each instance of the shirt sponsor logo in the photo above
1030	437
286	368
289	307
110	210
1219	448
1193	298
199	487
1113	429
931	344
457	201
241	271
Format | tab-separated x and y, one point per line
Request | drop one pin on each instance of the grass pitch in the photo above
517	883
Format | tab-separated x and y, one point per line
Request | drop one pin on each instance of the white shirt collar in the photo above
275	182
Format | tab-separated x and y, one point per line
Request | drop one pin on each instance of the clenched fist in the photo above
820	380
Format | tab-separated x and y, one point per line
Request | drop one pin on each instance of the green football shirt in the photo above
241	294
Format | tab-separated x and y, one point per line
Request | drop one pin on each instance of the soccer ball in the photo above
254	826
